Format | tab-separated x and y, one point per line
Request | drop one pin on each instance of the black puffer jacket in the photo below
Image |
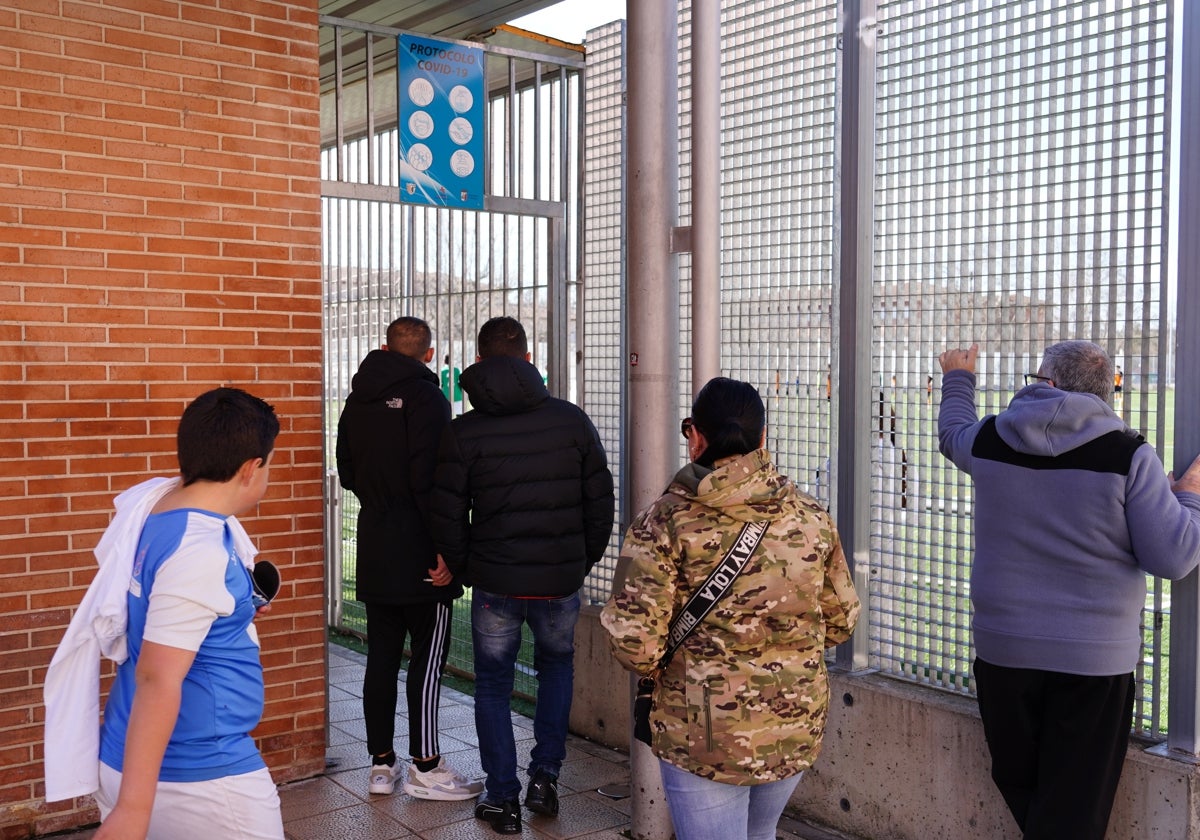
386	452
522	499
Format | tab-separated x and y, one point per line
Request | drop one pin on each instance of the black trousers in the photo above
1058	745
428	625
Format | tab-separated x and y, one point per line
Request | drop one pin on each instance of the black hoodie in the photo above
386	451
523	498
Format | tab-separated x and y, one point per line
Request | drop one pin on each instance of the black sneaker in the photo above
503	817
542	795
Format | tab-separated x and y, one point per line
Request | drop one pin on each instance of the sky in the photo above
569	20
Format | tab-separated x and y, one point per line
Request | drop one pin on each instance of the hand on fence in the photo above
1189	482
959	359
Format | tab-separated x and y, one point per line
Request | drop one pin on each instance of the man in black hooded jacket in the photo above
522	506
386	451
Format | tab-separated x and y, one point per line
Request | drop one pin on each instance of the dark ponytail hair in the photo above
730	415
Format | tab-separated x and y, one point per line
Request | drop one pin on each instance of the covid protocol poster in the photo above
441	122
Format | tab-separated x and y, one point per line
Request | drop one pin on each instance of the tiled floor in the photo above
337	805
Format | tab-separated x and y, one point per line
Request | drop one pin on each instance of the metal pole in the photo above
1183	712
706	191
651	207
852	361
333	575
557	327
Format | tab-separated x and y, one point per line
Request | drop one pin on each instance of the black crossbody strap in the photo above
714	588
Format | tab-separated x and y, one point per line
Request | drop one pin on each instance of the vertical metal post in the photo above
557	327
369	89
333	570
536	94
572	95
1183	711
852	361
625	499
512	182
706	191
334	528
339	104
651	207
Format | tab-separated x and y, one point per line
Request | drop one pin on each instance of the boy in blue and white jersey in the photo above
176	756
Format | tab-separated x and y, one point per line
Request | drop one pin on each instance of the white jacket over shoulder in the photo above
72	691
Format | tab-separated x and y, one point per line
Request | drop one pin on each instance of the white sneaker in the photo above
383	778
442	782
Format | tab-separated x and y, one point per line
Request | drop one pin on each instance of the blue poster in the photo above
441	122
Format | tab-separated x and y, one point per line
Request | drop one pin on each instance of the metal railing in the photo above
455	268
1019	198
1020	155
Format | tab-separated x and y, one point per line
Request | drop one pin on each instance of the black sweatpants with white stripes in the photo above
428	627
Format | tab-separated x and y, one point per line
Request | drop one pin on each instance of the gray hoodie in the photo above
1072	510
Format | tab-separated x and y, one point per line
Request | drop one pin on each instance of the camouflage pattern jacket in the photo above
743	701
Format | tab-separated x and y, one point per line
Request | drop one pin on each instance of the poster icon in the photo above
461	131
441	91
461	99
419	157
420	92
420	124
461	163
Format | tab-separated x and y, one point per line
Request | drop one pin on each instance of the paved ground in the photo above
337	805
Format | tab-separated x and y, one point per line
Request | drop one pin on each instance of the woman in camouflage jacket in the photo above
739	710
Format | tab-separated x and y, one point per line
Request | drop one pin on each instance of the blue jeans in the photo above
496	636
702	809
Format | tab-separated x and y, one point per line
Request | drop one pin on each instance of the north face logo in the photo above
395	402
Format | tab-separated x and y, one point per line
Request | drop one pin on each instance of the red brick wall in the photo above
159	235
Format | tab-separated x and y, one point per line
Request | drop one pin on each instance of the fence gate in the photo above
453	267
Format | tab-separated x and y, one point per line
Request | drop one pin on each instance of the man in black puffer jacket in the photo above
386	452
522	508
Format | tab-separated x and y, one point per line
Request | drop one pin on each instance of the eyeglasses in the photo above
1030	378
685	428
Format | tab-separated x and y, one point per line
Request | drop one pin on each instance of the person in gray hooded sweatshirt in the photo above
1072	511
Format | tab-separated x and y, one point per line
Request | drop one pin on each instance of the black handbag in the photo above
716	585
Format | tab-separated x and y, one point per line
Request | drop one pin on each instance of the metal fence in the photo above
1021	157
454	268
603	327
777	269
1020	184
1020	187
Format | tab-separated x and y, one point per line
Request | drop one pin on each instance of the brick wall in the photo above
159	235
